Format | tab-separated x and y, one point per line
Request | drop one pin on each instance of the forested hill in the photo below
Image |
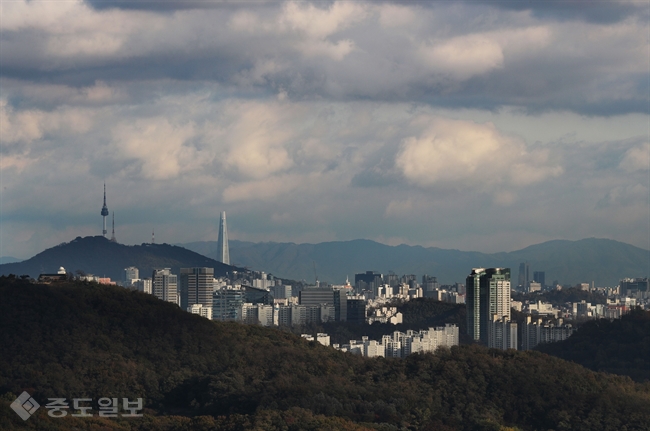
620	346
78	340
99	256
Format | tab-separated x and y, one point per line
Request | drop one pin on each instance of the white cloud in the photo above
392	15
159	146
636	159
462	57
319	23
257	139
470	154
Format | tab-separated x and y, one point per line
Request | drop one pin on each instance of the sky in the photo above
486	126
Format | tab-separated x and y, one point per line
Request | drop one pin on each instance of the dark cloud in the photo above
599	12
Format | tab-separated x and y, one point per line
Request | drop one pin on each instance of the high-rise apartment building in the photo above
165	285
223	254
196	287
487	297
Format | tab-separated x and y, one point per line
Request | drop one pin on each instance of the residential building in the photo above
487	295
201	310
165	285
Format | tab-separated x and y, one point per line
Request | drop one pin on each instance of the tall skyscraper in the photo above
104	213
487	297
540	277
524	275
196	287
165	285
223	253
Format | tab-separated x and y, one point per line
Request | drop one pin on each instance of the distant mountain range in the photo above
8	259
99	256
600	260
603	261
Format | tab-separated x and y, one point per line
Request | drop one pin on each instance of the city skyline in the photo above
311	122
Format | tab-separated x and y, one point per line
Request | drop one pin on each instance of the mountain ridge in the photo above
99	256
603	261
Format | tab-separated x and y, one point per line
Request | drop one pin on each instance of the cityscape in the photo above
256	298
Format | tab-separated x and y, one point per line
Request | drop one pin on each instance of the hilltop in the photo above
620	346
99	256
570	262
84	339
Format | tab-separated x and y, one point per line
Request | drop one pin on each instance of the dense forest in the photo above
561	297
620	346
83	339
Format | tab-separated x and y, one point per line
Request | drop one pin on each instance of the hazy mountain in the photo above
99	256
603	261
8	259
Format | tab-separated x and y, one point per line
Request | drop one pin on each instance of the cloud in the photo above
461	55
451	124
636	159
262	190
469	154
159	146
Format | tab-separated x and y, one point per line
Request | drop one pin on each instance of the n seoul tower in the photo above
104	212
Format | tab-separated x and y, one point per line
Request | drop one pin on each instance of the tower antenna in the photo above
104	212
113	235
153	237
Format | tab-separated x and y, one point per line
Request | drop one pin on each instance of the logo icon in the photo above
25	406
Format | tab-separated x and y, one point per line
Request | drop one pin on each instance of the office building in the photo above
196	286
165	285
281	291
367	281
227	304
524	276
540	277
256	295
131	273
316	296
356	311
487	295
632	286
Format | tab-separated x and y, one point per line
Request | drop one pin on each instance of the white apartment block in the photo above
400	344
201	310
